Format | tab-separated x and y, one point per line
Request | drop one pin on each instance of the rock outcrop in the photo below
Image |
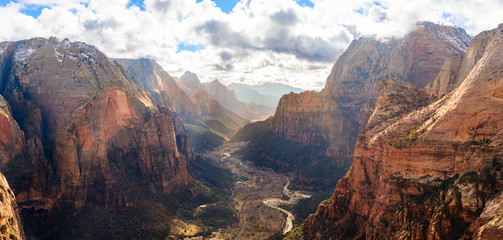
426	171
202	100
189	82
457	67
229	100
11	148
336	116
10	222
161	86
206	122
11	136
166	92
89	132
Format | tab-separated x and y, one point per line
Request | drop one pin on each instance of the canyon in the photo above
422	169
326	124
206	121
408	131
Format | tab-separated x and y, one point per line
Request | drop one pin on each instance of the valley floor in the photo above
261	197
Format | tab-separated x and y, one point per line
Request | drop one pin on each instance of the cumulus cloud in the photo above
220	34
258	41
285	17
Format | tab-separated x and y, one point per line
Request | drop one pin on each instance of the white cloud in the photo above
259	41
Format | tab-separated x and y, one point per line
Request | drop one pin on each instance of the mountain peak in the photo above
189	82
216	83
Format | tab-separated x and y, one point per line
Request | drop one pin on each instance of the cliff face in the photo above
189	82
11	137
205	120
161	86
431	172
10	222
203	102
91	133
229	100
11	148
220	92
457	67
336	116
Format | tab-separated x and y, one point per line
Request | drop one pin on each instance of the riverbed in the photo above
258	196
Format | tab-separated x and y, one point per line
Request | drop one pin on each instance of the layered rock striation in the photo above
11	147
206	121
11	226
426	171
335	116
87	133
161	86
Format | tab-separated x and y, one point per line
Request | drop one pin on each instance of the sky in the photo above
295	42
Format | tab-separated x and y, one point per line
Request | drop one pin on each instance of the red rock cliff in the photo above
431	172
163	88
10	222
11	147
336	116
91	133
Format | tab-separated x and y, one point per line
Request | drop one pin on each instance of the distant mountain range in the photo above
267	94
206	121
409	132
229	100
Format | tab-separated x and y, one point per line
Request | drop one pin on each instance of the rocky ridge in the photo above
161	86
189	82
206	122
335	116
88	133
426	171
229	100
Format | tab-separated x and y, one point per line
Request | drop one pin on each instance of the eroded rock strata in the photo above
426	171
87	132
11	147
11	226
334	117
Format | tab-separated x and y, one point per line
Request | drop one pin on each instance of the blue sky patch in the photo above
4	2
138	3
446	15
33	10
189	47
225	5
305	3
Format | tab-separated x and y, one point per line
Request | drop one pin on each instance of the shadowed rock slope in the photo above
331	120
161	86
229	100
82	132
206	122
426	171
215	124
11	142
267	94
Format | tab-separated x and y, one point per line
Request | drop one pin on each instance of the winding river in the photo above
293	196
